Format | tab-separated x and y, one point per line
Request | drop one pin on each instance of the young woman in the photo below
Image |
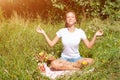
71	36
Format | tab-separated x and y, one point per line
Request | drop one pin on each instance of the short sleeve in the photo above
83	35
59	33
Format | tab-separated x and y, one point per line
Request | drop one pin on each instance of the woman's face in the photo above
70	19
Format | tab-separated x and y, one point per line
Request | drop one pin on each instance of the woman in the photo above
71	36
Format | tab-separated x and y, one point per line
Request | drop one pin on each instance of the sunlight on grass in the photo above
19	42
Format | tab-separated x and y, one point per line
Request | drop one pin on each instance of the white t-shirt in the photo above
70	41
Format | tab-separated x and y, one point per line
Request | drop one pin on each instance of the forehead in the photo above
70	14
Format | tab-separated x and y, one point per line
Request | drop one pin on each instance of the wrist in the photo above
95	35
44	33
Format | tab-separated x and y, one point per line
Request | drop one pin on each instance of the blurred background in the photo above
55	9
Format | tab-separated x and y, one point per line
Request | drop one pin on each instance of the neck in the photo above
71	29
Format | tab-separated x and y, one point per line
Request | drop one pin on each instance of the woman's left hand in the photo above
99	33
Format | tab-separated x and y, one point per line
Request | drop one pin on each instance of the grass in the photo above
19	42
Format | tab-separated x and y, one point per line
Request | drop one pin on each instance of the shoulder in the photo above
80	30
81	33
62	30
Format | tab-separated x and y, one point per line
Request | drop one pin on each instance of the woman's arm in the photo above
90	44
50	42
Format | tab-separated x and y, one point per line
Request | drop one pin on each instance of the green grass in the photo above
19	42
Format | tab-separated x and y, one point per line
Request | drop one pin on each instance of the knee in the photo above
91	61
53	64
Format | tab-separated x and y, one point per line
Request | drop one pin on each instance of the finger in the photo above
39	26
37	29
101	30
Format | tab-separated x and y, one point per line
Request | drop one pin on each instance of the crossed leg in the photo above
89	61
60	64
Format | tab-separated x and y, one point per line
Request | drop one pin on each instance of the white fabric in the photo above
71	42
54	74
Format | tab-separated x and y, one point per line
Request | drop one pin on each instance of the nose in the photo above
70	18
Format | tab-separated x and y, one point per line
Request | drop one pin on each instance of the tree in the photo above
30	8
90	8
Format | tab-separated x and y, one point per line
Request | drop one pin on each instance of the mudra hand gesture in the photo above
40	30
99	33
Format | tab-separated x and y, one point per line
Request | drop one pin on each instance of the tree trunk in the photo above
84	14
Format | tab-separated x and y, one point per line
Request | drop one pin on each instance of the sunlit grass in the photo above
19	42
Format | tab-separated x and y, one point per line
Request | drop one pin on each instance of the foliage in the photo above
25	8
111	9
19	42
91	8
54	10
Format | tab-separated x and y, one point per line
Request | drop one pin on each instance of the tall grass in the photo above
19	42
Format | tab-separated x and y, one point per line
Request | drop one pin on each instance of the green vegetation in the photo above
55	10
19	42
89	8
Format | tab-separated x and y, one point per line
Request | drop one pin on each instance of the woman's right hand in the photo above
40	30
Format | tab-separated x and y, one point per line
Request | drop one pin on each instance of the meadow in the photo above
19	42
